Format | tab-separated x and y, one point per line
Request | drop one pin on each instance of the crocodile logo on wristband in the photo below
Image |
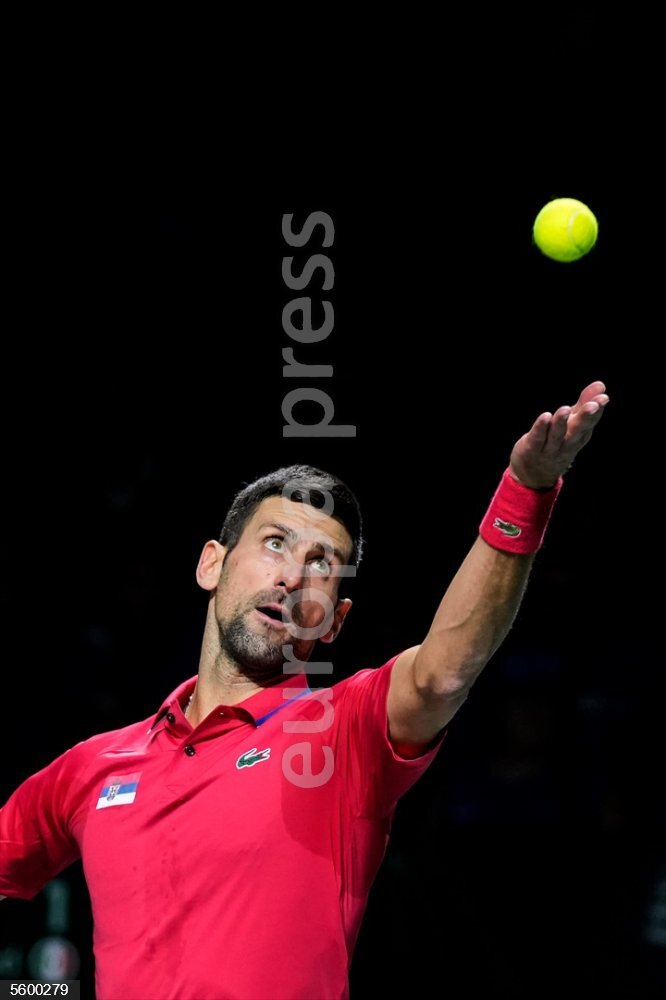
507	528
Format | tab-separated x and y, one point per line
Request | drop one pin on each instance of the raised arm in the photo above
431	681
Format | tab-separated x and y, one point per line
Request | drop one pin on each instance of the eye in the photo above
274	543
321	565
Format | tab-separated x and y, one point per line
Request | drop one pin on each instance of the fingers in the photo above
594	393
541	424
590	391
592	403
571	427
585	413
589	415
536	437
557	430
552	443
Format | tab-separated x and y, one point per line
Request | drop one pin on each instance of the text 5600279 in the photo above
29	988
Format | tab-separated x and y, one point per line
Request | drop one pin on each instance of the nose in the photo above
290	574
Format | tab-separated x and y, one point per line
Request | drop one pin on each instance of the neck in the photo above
220	681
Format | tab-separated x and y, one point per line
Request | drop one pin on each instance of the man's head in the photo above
287	540
301	484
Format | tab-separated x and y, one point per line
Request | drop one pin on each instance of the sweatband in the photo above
518	515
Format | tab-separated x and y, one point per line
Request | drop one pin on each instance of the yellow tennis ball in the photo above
565	229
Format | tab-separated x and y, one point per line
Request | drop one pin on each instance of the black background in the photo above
142	386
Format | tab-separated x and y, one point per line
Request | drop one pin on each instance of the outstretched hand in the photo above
548	449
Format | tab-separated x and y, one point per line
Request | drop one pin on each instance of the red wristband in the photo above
517	518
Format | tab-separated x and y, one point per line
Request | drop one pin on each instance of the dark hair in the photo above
301	484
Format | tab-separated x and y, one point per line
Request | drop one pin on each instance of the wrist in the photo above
518	515
541	487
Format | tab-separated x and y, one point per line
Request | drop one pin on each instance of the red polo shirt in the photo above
228	862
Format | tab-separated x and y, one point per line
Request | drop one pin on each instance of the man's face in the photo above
279	586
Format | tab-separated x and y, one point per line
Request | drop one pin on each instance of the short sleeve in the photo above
35	841
375	774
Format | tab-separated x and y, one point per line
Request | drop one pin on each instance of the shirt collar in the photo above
258	706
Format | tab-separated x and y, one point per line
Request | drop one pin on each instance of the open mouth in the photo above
274	614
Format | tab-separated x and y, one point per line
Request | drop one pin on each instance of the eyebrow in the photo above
295	537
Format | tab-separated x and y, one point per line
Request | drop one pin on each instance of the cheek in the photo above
244	573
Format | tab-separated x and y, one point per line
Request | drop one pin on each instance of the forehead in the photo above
307	522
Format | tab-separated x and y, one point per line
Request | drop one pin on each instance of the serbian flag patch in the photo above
119	790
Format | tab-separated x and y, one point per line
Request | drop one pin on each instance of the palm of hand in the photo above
549	448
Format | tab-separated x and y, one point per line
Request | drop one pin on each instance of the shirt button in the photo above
171	717
189	750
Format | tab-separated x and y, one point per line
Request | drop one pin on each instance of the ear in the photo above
210	564
342	609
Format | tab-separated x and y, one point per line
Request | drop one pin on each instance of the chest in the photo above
226	808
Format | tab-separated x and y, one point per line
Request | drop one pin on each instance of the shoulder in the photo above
127	739
366	679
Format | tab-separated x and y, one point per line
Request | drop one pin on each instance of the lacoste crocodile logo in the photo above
252	757
512	530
